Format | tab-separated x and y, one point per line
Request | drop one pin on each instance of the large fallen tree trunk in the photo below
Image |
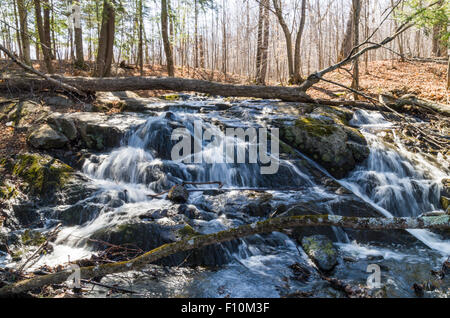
288	94
267	226
90	84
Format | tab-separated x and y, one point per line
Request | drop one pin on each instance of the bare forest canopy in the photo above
258	40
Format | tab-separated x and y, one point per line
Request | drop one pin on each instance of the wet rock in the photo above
261	206
79	213
26	213
95	131
45	137
375	257
178	194
321	250
325	136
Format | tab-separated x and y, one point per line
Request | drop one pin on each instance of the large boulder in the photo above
23	114
325	136
95	131
43	175
45	137
63	124
321	250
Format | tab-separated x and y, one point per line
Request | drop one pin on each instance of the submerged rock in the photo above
325	136
321	250
178	194
45	137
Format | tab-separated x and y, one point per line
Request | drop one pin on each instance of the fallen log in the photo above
90	84
411	100
195	242
55	82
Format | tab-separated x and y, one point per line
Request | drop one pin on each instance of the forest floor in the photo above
424	79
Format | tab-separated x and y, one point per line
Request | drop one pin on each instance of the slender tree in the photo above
44	33
356	9
22	8
165	38
106	40
78	35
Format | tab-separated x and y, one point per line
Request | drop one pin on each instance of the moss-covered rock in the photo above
325	137
321	250
43	174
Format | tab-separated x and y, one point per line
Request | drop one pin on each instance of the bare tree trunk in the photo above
259	41
346	47
106	41
288	36
265	46
199	241
18	35
357	12
44	41
141	37
165	38
78	35
23	15
298	42
448	74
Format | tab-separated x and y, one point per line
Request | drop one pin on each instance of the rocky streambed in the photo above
103	175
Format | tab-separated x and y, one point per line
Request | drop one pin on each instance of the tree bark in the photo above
136	83
165	38
23	16
78	35
356	16
288	36
265	46
141	38
195	242
346	47
106	41
44	41
298	42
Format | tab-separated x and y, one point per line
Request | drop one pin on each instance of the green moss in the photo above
315	127
7	192
445	202
187	231
32	238
170	97
42	174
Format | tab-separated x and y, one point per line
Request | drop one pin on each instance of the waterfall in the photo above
395	181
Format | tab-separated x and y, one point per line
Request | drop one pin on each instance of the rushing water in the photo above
392	180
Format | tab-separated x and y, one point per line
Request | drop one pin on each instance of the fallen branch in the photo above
54	82
195	242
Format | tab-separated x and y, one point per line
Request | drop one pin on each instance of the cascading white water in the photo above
393	181
396	181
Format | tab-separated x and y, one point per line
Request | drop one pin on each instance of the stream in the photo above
392	182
